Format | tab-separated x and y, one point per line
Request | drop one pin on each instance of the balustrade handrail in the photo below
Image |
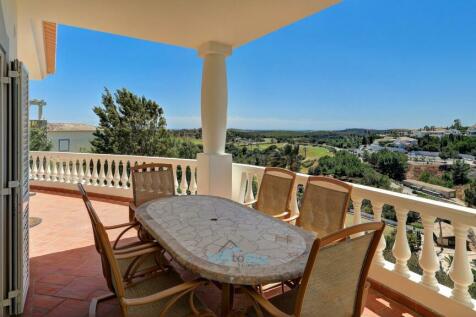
113	156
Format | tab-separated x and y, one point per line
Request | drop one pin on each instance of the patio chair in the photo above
274	194
324	205
334	280
149	182
130	267
162	294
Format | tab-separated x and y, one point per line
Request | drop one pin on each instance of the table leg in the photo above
227	292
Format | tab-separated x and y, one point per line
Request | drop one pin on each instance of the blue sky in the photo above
359	64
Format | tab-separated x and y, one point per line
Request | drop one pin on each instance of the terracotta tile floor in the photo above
66	271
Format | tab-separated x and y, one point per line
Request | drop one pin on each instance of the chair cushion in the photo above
153	285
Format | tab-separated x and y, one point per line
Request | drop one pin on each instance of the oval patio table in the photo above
224	241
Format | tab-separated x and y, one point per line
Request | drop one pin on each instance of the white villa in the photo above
71	137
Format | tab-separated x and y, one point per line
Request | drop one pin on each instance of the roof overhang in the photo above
185	23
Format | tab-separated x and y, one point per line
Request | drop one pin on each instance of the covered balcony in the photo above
107	177
65	270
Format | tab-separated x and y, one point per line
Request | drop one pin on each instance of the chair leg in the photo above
96	300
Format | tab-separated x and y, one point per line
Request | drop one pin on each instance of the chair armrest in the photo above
132	205
281	215
137	253
249	203
122	225
263	302
289	219
181	288
134	247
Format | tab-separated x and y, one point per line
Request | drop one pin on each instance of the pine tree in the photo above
133	125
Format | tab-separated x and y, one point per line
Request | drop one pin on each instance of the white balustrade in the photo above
110	173
57	169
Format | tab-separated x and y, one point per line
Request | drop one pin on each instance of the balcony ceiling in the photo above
185	23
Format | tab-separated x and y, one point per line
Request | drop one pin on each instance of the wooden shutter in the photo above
19	167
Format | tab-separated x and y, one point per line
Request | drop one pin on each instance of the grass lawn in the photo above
314	152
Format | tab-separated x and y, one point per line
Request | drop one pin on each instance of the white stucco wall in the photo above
79	141
8	25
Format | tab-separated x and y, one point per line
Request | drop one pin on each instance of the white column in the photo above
214	165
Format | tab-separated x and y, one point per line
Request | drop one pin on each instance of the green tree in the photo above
392	164
187	149
129	124
459	172
457	124
39	139
345	165
470	194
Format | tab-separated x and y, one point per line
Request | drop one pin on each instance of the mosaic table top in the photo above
225	241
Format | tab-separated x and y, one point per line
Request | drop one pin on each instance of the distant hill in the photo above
304	133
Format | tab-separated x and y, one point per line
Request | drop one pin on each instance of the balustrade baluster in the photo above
193	181
175	179
102	174
109	176
124	178
61	171
35	167
357	203
117	176
55	169
249	188
81	171
41	171
74	176
401	249
87	179
294	204
67	178
460	271
428	259
48	169
95	175
183	182
377	208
